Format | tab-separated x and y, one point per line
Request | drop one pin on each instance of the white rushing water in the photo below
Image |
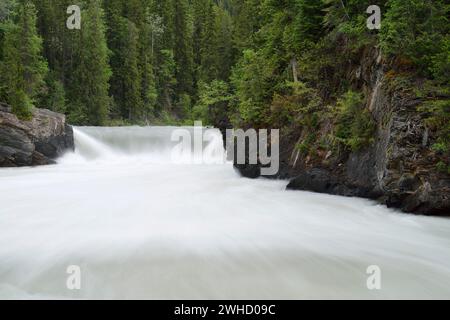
140	226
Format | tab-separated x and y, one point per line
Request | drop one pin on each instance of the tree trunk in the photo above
294	69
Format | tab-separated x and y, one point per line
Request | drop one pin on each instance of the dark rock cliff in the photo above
36	142
398	169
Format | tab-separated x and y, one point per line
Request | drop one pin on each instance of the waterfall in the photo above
153	143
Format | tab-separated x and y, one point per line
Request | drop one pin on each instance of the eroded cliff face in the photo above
398	169
36	142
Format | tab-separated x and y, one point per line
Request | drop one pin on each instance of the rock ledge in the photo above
36	142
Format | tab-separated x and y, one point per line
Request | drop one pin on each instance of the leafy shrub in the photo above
212	97
22	105
252	80
354	124
418	30
296	104
437	118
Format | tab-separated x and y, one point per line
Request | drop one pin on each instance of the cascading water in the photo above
139	225
151	143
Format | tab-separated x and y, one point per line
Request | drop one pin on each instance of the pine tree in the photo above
418	31
60	49
92	71
148	31
212	42
6	13
165	9
247	22
132	104
166	80
23	67
208	42
183	52
224	44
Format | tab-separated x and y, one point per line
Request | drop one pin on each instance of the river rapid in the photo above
140	225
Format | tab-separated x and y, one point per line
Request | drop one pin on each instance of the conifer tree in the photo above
23	68
148	31
92	71
183	49
132	104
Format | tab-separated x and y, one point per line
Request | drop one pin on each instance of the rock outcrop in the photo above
398	169
36	142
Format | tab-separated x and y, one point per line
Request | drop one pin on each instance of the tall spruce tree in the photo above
183	52
132	104
23	68
148	31
92	71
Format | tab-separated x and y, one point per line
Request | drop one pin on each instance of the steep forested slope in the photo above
362	112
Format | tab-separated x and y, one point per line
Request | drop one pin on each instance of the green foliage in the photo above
23	68
55	98
165	79
437	117
355	126
247	22
6	9
6	14
154	59
440	147
418	30
130	76
183	52
440	63
184	106
123	37
307	26
297	104
306	146
93	72
252	80
150	29
213	100
78	114
212	42
22	105
443	167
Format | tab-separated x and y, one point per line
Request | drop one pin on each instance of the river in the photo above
139	225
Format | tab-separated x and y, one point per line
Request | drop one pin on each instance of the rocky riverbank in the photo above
36	142
399	168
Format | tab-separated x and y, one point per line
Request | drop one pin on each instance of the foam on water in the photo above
141	226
